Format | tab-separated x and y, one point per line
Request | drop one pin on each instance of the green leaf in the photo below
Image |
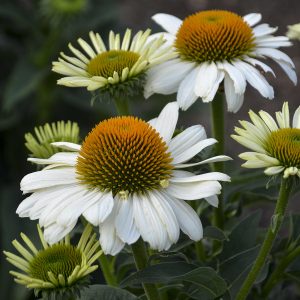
214	233
99	291
24	79
160	273
242	237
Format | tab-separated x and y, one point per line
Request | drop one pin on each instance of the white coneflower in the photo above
276	146
60	269
294	32
126	178
121	68
216	47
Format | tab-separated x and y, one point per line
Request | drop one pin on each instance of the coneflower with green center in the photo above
276	146
39	142
119	70
59	271
215	47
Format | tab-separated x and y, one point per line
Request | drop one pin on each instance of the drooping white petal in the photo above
252	18
202	177
256	79
166	77
54	232
98	212
125	226
188	153
194	190
290	72
166	214
67	146
234	100
186	95
109	239
238	78
275	54
214	88
255	62
47	178
187	218
165	123
168	22
206	77
149	223
186	139
213	200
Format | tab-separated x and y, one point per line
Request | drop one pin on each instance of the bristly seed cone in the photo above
284	144
124	154
214	35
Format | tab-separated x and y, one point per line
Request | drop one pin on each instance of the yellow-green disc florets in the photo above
214	35
284	144
57	271
124	155
39	143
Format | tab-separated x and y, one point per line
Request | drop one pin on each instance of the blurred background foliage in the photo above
33	32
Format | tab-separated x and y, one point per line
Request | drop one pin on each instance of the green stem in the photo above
265	249
200	251
107	271
140	258
122	107
106	267
278	271
217	116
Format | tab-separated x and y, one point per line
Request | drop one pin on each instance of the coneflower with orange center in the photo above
126	178
217	47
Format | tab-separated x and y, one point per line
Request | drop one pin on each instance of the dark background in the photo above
30	40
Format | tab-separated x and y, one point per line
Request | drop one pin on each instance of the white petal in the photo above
193	150
256	79
212	93
109	240
125	226
206	77
213	200
255	62
296	118
186	95
149	223
166	77
186	139
187	218
194	190
67	146
201	177
166	214
98	213
165	123
234	100
273	170
288	71
252	18
263	29
270	122
168	22
236	76
54	232
47	178
62	158
206	161
275	55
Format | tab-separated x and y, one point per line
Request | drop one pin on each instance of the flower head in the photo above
217	46
294	32
126	178
59	269
120	69
276	146
40	144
